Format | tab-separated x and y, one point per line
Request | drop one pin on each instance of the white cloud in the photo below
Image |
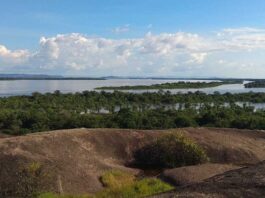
122	29
243	30
80	52
8	56
165	53
221	61
166	44
242	39
197	58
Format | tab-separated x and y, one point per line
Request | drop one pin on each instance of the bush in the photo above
170	151
184	121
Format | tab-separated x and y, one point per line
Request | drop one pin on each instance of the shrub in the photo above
170	151
184	121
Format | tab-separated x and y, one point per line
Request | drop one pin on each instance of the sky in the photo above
171	38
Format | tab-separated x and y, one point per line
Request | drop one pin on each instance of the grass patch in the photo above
125	185
141	188
117	179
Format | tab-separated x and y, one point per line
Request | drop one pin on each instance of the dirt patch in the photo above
76	158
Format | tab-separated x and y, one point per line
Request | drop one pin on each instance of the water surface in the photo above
26	87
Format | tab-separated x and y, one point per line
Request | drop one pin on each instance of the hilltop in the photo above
76	158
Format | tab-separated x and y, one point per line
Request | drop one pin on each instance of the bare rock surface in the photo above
194	174
244	182
76	158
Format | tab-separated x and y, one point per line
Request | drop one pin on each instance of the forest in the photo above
41	112
255	84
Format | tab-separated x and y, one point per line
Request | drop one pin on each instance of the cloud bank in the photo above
229	53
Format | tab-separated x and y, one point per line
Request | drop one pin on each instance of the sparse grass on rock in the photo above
119	184
117	179
30	179
141	188
125	185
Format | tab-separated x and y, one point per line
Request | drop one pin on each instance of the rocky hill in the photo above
75	159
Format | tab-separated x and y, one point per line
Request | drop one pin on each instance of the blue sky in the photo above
34	36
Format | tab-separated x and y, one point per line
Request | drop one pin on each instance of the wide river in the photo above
26	87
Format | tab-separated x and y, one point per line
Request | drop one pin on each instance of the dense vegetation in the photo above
170	151
40	112
119	184
175	85
255	84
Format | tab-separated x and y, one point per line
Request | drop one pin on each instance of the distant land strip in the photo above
175	85
255	84
50	78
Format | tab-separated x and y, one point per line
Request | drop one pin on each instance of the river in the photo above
26	87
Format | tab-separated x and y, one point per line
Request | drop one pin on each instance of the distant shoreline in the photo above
63	78
176	85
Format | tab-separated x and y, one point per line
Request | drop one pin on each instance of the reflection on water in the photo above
177	106
26	87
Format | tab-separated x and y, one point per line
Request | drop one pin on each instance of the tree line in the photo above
174	85
255	84
42	112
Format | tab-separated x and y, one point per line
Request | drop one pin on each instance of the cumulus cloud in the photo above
80	52
167	44
8	56
167	53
